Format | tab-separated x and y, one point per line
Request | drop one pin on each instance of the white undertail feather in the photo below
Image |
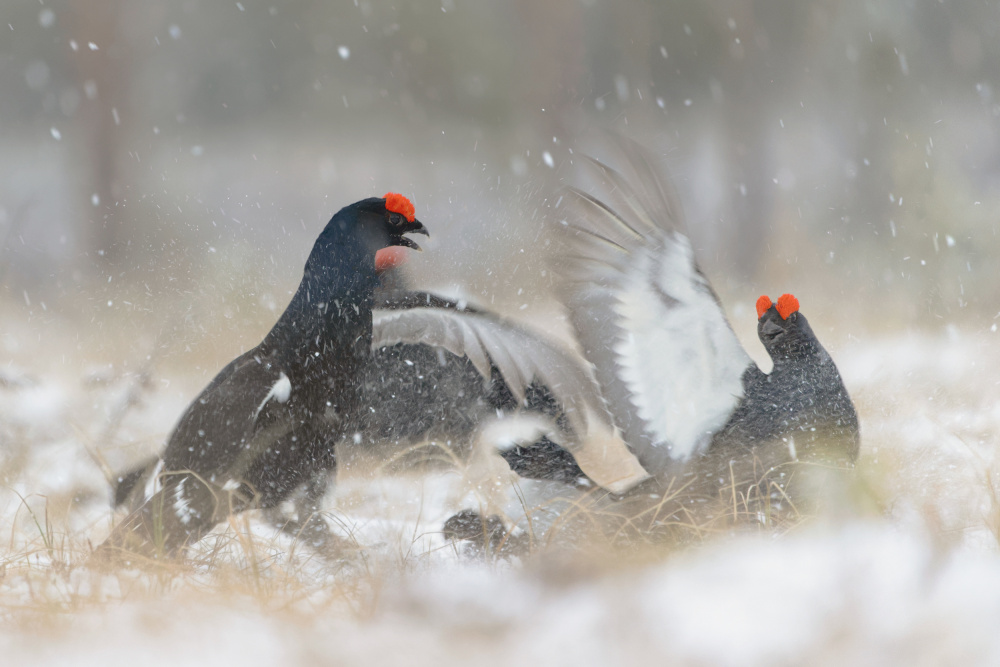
524	429
487	479
606	458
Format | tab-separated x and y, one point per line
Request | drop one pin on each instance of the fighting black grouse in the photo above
444	372
678	385
274	414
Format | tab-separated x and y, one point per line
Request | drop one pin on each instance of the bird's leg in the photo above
308	524
488	535
312	527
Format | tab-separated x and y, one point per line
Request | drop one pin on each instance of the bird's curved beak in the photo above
770	329
415	227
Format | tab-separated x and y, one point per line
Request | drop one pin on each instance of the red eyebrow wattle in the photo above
397	203
763	304
787	304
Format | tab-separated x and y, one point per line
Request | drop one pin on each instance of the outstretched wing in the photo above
669	365
219	431
522	358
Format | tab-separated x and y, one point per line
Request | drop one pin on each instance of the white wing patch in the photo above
281	390
181	505
153	483
679	358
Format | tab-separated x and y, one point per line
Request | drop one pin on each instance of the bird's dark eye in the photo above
395	219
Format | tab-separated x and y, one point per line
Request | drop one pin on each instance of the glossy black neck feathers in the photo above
788	341
332	307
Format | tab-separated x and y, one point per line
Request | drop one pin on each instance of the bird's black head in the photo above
333	301
343	258
782	329
376	222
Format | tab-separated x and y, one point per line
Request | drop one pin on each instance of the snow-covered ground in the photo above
910	576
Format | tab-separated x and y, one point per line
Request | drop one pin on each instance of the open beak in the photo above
770	329
415	227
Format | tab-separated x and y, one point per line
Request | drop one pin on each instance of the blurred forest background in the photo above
167	164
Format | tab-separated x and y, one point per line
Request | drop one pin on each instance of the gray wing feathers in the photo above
522	358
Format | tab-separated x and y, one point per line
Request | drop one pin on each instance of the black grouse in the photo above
444	372
693	407
273	415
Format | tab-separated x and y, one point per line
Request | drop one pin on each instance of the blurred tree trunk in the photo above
103	75
554	62
749	109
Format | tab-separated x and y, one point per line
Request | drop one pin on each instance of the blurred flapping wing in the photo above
522	358
668	364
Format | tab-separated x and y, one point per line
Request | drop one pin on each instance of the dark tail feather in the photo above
179	514
126	482
544	460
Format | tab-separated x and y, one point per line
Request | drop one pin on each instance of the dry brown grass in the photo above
929	469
